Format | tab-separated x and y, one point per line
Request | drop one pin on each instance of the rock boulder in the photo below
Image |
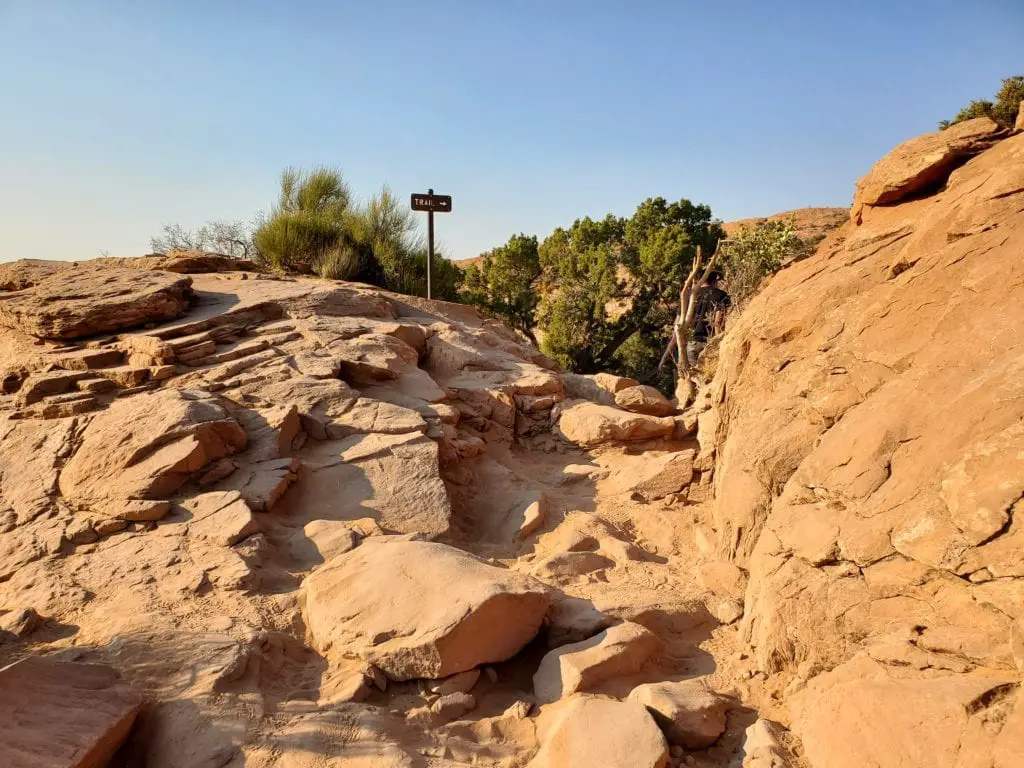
419	609
690	713
145	447
644	399
588	424
587	731
617	651
59	714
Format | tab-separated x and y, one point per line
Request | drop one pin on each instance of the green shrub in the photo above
1003	110
753	253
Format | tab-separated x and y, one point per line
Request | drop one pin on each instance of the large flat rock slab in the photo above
63	715
589	424
419	609
921	163
394	479
91	299
145	447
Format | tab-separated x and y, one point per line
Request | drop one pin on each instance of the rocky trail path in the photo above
265	522
307	522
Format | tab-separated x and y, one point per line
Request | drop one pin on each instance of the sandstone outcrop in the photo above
644	399
316	522
618	651
588	424
690	714
146	447
922	163
97	300
868	452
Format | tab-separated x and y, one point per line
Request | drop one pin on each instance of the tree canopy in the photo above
610	287
503	284
601	294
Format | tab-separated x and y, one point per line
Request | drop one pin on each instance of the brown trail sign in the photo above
431	203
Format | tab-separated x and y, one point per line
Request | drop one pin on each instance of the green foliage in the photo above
504	284
312	224
610	287
756	252
317	224
1003	110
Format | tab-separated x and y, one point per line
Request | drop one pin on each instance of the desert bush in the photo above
318	223
310	220
228	238
1003	110
756	252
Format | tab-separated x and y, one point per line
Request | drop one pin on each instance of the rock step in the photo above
182	344
125	375
281	326
225	371
141	388
242	350
40	385
190	355
215	327
69	397
85	359
96	385
61	406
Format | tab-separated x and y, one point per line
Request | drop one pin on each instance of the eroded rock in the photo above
99	299
145	447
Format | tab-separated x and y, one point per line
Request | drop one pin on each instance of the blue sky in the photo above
118	117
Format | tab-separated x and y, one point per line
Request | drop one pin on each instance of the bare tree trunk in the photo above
683	327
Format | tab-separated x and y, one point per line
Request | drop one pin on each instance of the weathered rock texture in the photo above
868	419
586	731
316	523
921	164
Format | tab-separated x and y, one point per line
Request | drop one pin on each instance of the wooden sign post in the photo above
431	203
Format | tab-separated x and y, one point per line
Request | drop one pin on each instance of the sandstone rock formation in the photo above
588	425
690	714
922	163
867	417
644	399
97	300
615	652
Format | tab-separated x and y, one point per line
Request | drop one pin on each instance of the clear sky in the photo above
118	117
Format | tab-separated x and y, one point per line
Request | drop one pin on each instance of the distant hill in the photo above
812	225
